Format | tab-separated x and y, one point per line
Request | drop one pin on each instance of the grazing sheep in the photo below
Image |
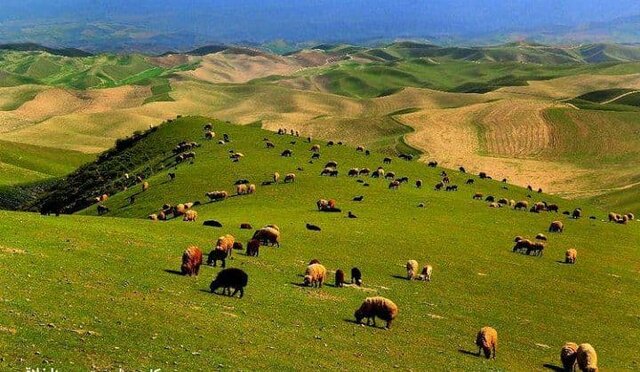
153	217
556	226
536	248
412	269
577	213
251	188
228	279
432	164
568	355
495	205
241	189
313	227
246	226
570	256
631	216
451	188
313	261
470	181
190	216
358	198
331	203
380	307
356	276
212	223
503	201
322	204
487	341
426	273
517	238
360	149
438	186
364	172
553	208
614	217
290	177
191	261
217	195
541	236
351	215
522	204
522	244
253	248
225	243
478	196
286	153
217	254
353	172
490	198
394	184
162	216
418	183
102	209
339	278
331	164
587	358
390	175
482	175
315	275
238	246
315	148
269	145
268	236
172	176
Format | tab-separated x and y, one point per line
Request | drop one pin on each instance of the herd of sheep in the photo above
315	275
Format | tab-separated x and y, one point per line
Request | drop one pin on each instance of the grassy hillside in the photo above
154	318
101	71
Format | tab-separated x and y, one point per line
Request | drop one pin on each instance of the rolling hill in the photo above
134	311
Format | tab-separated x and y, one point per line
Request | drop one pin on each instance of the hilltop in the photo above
156	318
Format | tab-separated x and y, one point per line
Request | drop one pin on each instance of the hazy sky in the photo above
260	20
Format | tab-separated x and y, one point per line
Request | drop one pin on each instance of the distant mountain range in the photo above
522	52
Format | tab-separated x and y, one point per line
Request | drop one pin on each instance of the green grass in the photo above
100	285
25	163
374	79
101	71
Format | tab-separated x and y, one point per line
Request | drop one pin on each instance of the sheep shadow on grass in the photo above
403	277
174	272
553	367
377	326
467	352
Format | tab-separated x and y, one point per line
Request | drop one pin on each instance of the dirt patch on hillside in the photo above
241	68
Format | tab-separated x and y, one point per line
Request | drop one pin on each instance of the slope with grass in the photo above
135	313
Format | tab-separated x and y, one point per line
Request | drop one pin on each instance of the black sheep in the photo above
356	276
230	278
217	255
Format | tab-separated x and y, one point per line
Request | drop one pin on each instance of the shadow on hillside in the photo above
364	323
174	272
467	352
553	367
400	277
301	285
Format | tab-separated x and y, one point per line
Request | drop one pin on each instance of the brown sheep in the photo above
217	195
339	278
246	226
541	237
568	355
614	217
623	220
315	275
570	256
251	188
190	216
331	203
153	217
577	213
587	358
556	226
313	261
380	307
290	177
522	204
191	261
478	196
412	269
268	235
315	148
553	208
631	216
487	341
495	205
145	186
253	248
276	177
225	243
322	204
427	270
394	185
